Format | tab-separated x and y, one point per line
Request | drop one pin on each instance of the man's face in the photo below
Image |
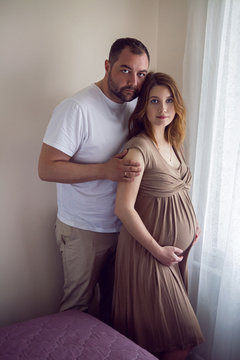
126	76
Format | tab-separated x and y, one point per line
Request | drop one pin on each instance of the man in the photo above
78	153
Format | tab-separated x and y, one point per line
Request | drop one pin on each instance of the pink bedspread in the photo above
70	335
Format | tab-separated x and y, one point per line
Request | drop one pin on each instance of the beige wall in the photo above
172	23
49	50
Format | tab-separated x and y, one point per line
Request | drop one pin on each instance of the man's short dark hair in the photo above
135	46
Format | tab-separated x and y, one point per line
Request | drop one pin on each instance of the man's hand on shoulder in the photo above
120	169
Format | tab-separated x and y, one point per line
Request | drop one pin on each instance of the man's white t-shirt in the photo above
90	128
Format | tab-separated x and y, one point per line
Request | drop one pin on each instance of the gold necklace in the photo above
165	155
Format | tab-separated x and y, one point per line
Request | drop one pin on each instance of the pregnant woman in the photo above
150	303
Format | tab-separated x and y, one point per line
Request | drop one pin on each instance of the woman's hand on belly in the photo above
197	234
170	255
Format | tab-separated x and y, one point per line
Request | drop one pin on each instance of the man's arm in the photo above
56	166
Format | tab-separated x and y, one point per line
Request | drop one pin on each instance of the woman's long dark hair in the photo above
138	122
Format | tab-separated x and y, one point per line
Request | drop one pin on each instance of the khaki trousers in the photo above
88	259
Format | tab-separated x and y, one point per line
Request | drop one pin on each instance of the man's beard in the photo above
119	92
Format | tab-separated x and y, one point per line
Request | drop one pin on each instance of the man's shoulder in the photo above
79	100
89	92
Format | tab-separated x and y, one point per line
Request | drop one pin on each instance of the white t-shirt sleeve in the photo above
66	128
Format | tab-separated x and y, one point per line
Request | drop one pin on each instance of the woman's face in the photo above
160	107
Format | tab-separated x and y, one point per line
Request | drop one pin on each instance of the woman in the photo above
150	303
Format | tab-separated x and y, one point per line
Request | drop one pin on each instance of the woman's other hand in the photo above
170	255
197	234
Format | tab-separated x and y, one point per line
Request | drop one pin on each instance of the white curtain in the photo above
211	91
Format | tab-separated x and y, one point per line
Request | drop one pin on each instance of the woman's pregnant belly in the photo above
170	220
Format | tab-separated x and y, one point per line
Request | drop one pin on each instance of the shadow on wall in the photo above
32	286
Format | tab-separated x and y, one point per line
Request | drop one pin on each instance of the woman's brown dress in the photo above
150	302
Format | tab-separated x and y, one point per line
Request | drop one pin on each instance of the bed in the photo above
70	335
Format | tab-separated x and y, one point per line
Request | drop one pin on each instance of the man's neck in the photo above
103	86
